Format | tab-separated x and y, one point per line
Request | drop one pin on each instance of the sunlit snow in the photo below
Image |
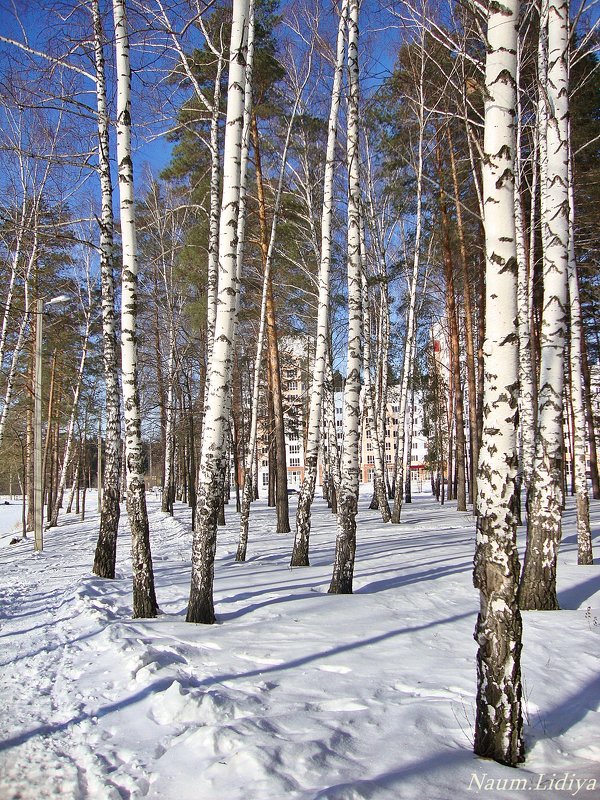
294	693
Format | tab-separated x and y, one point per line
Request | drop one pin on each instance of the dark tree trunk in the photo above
281	489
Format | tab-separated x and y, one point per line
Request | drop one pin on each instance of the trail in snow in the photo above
294	693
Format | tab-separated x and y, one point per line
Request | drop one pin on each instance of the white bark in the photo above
300	555
345	546
538	588
169	471
12	370
144	598
526	376
213	459
369	401
213	238
411	322
105	556
498	725
70	440
584	537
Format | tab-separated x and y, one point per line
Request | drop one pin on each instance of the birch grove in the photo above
326	276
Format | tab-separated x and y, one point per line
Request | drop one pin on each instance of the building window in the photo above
294	461
290	373
294	448
265	478
370	458
264	463
388	458
292	386
388	445
369	446
339	423
368	433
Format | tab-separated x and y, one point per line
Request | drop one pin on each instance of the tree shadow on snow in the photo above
573	598
565	715
392	779
49	729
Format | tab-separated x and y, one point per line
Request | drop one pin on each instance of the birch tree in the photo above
70	440
412	283
584	538
498	721
144	597
106	548
538	584
213	458
300	554
345	545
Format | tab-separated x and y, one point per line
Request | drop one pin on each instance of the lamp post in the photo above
38	494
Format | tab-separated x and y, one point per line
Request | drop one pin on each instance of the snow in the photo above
294	693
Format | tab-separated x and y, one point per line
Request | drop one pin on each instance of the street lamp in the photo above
38	498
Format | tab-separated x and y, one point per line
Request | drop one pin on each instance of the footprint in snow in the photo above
270	662
342	704
334	668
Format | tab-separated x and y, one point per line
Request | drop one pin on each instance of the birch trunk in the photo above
370	410
144	597
584	537
524	297
213	458
333	455
498	722
538	585
60	488
106	548
168	495
213	238
300	554
411	324
589	418
345	545
12	370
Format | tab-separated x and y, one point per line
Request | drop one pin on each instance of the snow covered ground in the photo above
294	693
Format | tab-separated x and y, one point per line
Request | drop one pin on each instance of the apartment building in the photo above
296	369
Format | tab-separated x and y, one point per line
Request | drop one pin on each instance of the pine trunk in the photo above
461	493
281	487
